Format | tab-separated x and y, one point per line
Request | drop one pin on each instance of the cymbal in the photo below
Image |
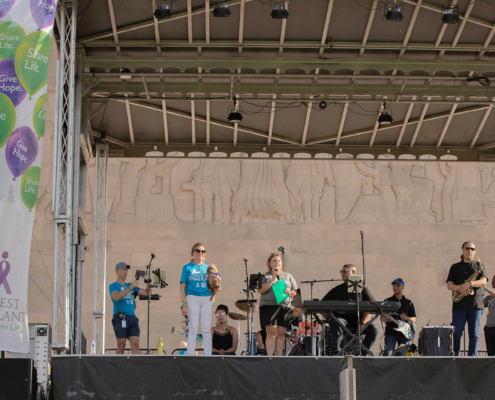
241	305
237	316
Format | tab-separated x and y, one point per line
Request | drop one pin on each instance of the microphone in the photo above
152	255
276	268
281	248
361	232
245	260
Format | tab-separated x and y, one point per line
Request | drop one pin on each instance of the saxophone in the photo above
456	295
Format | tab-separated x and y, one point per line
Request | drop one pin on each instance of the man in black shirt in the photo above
350	319
470	307
406	312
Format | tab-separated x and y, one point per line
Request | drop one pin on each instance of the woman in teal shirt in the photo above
195	296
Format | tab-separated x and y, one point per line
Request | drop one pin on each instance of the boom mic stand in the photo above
249	313
362	252
148	281
282	250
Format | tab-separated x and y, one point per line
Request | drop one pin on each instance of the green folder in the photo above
279	291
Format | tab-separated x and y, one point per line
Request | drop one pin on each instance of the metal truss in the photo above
63	179
100	248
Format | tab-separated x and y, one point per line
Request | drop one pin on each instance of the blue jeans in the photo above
391	341
459	318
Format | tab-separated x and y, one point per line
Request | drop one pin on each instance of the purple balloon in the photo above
21	150
5	7
43	12
9	83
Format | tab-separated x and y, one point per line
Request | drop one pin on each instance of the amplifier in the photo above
436	341
17	379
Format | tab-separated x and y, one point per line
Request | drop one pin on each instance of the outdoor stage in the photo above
168	377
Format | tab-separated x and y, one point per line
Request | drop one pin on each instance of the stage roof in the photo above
313	83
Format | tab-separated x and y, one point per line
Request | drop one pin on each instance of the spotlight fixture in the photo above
235	116
125	74
393	12
222	10
279	13
164	9
385	119
451	14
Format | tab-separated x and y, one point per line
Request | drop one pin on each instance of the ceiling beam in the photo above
418	126
208	116
207	22
410	27
486	42
404	125
193	121
305	64
114	26
325	28
481	125
272	119
146	24
241	26
282	31
376	126
157	31
165	120
395	125
487	146
129	120
212	121
342	122
307	44
306	122
298	92
368	26
446	125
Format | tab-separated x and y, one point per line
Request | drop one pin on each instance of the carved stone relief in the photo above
304	191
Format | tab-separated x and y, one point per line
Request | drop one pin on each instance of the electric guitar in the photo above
406	328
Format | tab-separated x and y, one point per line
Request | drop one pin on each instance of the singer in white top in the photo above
273	316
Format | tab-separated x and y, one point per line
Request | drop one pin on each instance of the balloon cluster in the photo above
24	71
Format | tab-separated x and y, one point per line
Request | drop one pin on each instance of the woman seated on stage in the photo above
224	341
275	317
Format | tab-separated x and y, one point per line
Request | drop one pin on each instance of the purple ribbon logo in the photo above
5	272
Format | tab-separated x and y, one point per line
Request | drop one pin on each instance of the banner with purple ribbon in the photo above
25	40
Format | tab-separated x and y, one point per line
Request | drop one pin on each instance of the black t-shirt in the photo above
458	274
406	307
340	293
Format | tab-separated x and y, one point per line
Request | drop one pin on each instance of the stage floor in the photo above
286	378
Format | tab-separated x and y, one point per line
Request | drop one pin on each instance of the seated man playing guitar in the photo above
400	327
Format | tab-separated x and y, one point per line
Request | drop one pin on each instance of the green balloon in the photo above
29	186
31	61
7	118
11	35
39	115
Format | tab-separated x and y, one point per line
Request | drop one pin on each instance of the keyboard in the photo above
339	306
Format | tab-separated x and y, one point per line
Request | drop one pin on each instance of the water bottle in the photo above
93	347
159	349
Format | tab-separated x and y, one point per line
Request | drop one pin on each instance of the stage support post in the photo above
63	249
100	248
347	379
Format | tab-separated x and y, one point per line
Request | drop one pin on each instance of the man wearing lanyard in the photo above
124	321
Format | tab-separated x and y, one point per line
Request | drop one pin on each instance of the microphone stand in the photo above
249	349
362	252
315	281
148	281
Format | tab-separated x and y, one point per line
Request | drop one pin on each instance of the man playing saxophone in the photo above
466	280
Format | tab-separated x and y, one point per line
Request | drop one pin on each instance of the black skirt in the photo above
275	315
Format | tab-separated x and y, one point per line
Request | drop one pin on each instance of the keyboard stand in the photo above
353	336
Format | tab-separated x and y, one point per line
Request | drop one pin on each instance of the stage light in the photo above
125	74
385	119
235	115
451	15
394	13
279	13
164	9
222	10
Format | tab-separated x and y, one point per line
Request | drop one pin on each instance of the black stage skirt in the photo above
275	315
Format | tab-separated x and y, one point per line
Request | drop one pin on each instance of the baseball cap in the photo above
122	265
398	280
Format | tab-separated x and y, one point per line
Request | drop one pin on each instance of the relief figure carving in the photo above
423	194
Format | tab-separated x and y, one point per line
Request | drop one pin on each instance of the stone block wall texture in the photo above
414	214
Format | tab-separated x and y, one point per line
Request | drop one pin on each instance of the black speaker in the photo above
436	341
17	379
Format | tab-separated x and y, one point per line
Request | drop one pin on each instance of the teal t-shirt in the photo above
194	276
126	305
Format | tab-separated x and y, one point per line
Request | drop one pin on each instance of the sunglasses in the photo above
469	248
220	314
200	251
343	271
